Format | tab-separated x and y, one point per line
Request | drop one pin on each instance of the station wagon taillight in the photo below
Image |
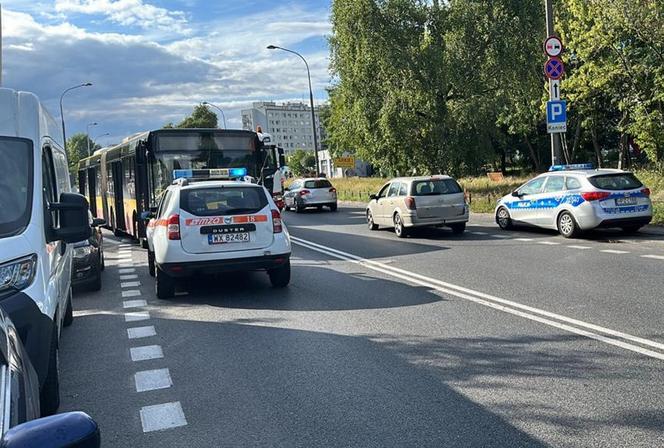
595	195
304	192
277	227
410	203
173	227
333	190
646	192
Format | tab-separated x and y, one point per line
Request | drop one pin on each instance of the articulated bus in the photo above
125	180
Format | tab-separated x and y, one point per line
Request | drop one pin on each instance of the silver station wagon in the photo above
407	202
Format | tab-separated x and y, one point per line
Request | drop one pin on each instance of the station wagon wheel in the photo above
503	219
567	225
370	222
399	228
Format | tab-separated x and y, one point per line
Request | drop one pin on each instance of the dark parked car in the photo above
20	425
89	258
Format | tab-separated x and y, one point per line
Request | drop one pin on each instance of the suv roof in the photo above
415	178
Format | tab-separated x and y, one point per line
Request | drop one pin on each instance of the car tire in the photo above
280	277
399	229
68	319
151	265
567	225
333	207
458	229
370	222
164	285
49	396
630	230
503	219
299	208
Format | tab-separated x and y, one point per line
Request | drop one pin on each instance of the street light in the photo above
96	137
62	115
205	103
311	100
87	135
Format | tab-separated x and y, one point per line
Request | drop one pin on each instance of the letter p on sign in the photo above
556	116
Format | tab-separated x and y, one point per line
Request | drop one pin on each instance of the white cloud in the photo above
128	13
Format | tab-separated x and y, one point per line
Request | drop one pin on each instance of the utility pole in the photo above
555	137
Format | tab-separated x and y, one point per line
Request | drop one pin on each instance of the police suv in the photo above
575	198
208	223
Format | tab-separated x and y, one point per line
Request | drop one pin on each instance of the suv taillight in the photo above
410	203
304	192
646	192
276	222
333	190
173	227
595	195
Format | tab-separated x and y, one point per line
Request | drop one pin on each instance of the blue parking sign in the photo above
556	116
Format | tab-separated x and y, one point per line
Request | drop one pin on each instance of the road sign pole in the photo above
555	138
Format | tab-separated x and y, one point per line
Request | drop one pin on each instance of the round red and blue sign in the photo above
554	68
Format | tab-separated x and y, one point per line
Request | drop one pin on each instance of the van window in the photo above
50	188
61	171
435	187
216	201
15	185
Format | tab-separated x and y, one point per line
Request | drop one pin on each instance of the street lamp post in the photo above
87	135
311	100
62	115
206	103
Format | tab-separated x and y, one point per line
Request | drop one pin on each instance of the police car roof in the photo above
586	173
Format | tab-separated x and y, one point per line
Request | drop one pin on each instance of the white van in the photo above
39	217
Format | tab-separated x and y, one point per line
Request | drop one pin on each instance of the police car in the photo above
207	223
575	198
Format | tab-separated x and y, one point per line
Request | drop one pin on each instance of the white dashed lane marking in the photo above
525	240
152	380
146	352
548	243
653	257
130	284
127	271
162	416
131	293
137	316
129	277
141	332
614	251
580	247
479	233
134	303
500	236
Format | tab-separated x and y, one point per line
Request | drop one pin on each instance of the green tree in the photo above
201	117
77	149
300	162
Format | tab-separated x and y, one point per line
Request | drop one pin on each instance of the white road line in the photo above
548	243
579	247
126	265
137	316
108	240
525	240
128	277
134	303
653	257
479	233
581	328
130	284
146	352
152	380
141	332
162	416
131	293
127	271
614	251
495	235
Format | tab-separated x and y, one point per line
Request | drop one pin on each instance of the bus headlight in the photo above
18	274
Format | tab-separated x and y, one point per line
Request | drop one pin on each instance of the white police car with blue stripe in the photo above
576	198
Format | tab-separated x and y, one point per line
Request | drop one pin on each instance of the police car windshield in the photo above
15	185
618	181
222	201
435	187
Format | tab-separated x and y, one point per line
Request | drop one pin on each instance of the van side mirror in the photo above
70	430
98	222
74	220
373	196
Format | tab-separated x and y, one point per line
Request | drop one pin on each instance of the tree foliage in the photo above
77	149
301	162
201	117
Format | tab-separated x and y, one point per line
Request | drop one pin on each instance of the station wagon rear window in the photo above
15	185
317	184
618	181
222	201
435	187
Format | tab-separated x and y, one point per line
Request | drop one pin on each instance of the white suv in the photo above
210	226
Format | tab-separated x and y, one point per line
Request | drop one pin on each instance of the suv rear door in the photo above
224	218
438	198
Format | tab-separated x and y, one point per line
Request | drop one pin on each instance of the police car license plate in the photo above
224	238
625	201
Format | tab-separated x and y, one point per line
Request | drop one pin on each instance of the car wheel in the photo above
333	207
370	222
503	219
567	225
151	266
458	229
631	229
69	312
49	397
164	285
399	228
280	277
299	208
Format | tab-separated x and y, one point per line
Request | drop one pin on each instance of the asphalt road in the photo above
488	339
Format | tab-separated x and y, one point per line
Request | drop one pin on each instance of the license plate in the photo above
625	201
228	238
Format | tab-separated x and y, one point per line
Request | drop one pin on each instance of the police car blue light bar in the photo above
576	166
214	173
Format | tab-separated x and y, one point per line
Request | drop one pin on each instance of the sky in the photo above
152	61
